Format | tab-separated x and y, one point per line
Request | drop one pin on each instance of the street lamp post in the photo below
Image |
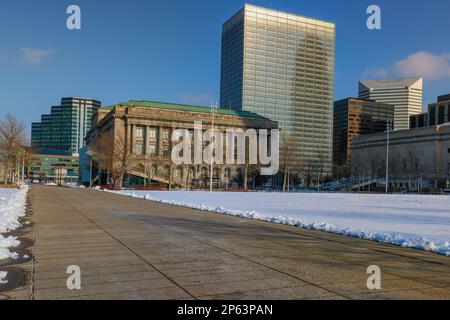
91	153
388	125
213	112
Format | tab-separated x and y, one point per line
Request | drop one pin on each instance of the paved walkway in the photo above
136	249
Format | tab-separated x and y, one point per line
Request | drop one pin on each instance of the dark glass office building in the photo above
354	117
66	126
438	113
281	66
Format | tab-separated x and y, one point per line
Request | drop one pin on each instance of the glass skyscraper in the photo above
66	126
281	66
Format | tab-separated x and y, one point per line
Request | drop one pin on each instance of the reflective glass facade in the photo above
53	168
281	66
66	126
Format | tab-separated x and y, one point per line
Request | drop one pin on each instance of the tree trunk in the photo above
285	173
246	177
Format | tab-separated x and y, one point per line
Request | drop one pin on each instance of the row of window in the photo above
152	133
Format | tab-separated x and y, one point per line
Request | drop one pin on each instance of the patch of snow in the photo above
12	207
3	275
5	243
417	221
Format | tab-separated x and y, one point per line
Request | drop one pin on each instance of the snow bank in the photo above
12	207
5	243
417	221
3	275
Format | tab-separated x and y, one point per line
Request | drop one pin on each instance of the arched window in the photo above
167	171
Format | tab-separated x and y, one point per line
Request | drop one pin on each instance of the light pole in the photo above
213	112
91	153
388	125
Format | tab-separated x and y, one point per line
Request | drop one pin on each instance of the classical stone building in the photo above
144	129
418	158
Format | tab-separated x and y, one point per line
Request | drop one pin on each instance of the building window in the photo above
166	171
178	172
139	132
139	149
165	134
152	133
227	173
152	149
165	150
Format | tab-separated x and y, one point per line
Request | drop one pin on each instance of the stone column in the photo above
146	139
132	137
128	137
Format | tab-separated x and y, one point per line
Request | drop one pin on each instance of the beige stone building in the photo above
146	127
418	158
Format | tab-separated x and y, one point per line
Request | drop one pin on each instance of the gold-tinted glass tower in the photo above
281	66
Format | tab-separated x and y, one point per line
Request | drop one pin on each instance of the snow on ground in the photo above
3	275
12	207
418	221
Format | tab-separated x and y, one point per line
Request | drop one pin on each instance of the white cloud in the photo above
196	99
35	56
425	64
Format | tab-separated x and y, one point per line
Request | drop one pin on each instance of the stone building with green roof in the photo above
143	130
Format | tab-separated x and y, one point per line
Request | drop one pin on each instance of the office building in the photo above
438	113
281	66
66	126
405	94
354	117
53	166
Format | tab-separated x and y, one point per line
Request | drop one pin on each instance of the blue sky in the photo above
170	50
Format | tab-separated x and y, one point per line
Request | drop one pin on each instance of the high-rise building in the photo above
281	65
66	126
354	117
438	113
405	94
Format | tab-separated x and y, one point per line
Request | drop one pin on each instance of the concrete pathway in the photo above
136	249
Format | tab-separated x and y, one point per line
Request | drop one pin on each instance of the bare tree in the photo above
288	164
123	161
114	156
105	153
12	138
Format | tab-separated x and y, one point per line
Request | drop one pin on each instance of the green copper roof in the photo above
185	107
